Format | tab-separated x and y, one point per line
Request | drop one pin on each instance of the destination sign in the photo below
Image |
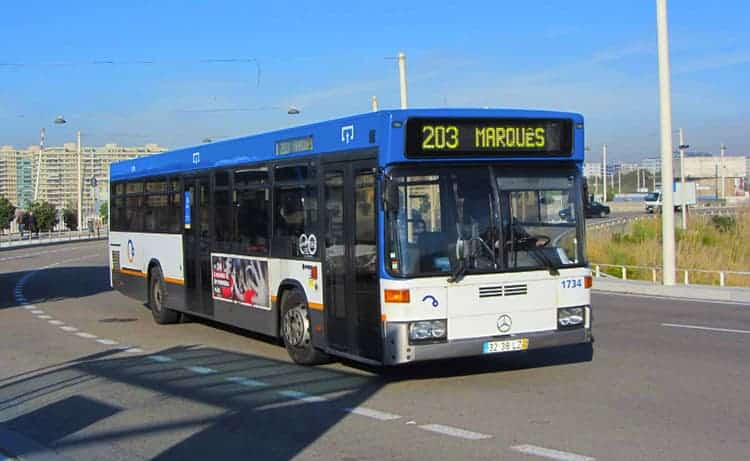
487	137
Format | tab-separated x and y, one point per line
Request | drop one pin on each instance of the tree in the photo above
104	212
45	215
70	218
7	213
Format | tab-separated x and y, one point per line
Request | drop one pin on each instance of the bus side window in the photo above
296	214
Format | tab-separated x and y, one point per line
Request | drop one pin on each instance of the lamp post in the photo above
665	106
684	208
604	172
723	173
402	79
60	120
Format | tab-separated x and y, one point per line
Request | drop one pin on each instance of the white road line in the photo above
375	414
37	312
454	432
107	342
29	307
549	453
201	370
131	350
302	396
697	327
86	335
45	317
69	329
246	382
56	322
160	358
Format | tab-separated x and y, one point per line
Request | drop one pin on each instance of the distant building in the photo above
707	172
58	174
592	169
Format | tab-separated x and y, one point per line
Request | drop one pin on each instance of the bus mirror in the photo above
390	195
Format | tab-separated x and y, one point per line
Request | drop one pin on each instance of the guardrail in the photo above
17	239
721	276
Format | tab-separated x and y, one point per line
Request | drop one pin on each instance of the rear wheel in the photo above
157	297
296	331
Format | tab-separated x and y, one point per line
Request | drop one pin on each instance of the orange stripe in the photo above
174	280
132	272
273	299
316	306
383	317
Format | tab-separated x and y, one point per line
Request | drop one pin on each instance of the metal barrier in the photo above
16	239
655	271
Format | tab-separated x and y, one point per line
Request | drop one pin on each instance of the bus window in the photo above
251	220
296	214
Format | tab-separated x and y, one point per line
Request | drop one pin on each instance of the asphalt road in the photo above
86	373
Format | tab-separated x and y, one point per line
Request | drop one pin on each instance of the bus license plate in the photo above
493	347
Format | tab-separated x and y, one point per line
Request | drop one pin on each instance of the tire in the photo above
602	214
157	298
296	331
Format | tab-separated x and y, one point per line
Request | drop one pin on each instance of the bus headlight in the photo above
570	317
427	330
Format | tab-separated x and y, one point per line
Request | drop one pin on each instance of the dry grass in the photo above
710	243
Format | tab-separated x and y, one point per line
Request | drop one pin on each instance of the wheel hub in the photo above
296	327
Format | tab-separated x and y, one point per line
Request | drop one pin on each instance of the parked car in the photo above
592	209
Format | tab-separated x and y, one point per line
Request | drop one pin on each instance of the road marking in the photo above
302	396
86	335
160	358
131	350
697	327
246	381
550	453
29	307
107	342
375	414
45	317
69	329
201	370
37	312
454	432
670	298
56	322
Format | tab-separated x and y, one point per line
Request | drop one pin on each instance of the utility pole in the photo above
80	181
375	106
683	146
604	171
665	106
43	135
619	180
723	173
402	79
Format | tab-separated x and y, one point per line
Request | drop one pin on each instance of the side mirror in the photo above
390	194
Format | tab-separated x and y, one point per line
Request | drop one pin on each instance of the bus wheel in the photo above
295	330
157	296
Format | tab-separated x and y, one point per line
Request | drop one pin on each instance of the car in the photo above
593	210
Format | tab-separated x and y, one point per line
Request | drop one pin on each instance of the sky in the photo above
176	72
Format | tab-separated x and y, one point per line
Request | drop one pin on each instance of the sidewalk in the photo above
688	292
48	239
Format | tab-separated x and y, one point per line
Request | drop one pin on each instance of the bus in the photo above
390	237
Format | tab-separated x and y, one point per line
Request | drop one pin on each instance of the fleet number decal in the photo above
572	283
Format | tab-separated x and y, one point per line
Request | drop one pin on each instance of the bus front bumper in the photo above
398	350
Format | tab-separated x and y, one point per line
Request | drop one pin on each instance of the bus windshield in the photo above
464	219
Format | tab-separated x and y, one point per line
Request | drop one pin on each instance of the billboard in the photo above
241	280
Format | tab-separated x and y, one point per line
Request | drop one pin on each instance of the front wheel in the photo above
296	330
157	296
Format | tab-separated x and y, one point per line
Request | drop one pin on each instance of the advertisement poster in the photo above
241	280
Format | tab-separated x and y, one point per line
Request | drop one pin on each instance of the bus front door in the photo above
352	301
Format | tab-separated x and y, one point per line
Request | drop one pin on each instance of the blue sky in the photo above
329	58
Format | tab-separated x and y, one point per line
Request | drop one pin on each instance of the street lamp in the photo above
682	148
60	120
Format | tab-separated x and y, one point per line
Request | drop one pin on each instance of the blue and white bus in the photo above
389	237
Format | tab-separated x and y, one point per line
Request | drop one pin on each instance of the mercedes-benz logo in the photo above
504	322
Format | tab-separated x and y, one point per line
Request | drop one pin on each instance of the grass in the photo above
717	243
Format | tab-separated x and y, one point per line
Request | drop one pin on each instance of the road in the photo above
85	372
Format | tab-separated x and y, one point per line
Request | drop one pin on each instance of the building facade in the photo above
58	173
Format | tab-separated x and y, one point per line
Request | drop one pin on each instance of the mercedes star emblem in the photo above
504	323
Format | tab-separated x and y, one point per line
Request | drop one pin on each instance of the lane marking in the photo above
56	322
669	298
131	350
550	453
201	370
107	342
455	432
86	335
160	358
246	381
29	307
37	311
302	396
375	414
69	329
45	317
698	327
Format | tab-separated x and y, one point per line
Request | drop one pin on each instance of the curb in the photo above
49	242
688	293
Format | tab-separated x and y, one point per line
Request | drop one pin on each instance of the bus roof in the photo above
373	129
